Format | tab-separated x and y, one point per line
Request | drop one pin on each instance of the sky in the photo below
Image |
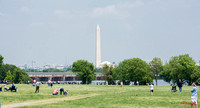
63	31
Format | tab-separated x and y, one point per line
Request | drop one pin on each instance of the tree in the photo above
85	70
156	67
133	70
179	67
1	63
108	73
196	75
8	76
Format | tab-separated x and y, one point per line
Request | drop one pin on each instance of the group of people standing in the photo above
194	93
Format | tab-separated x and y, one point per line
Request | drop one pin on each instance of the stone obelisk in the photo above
98	48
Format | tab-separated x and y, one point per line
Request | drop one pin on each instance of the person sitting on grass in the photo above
55	92
62	91
66	92
194	95
6	88
13	88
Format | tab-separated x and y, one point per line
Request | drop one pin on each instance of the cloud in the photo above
3	14
24	9
36	24
62	13
52	24
120	10
110	10
131	5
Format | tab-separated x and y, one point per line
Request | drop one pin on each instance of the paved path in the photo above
48	101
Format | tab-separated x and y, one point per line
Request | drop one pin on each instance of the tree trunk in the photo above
156	81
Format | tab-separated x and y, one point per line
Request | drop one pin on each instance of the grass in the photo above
111	96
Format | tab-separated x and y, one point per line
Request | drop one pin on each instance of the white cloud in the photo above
62	13
52	24
24	9
1	14
36	24
119	10
108	11
131	5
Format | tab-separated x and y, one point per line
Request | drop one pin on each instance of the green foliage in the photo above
108	73
12	73
8	76
98	70
52	70
196	75
85	70
1	60
134	70
179	67
156	67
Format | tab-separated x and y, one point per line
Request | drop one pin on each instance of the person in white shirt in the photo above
37	87
151	89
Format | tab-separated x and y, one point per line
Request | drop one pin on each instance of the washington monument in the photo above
98	48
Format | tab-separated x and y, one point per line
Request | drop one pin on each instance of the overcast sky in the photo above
63	31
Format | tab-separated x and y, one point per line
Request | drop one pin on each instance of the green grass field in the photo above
99	96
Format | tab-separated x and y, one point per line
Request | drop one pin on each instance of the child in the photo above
66	92
121	84
194	95
55	92
151	89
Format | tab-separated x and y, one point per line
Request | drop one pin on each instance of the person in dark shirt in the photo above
61	91
180	85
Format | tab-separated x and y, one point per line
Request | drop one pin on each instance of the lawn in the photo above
101	96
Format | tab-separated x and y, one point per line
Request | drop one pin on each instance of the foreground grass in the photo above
111	96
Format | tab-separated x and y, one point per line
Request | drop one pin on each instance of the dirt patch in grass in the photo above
47	101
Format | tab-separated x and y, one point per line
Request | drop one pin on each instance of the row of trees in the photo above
179	67
12	73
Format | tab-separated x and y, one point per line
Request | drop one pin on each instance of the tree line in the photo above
11	73
178	67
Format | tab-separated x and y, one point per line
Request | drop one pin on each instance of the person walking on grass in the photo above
194	95
37	87
121	83
180	85
151	89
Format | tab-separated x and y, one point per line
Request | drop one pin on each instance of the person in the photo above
37	87
6	88
194	95
66	92
180	85
51	84
61	91
55	92
13	88
137	83
121	84
106	83
151	89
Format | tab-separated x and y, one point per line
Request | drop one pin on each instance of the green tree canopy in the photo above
108	73
156	67
85	70
179	67
12	73
8	76
134	70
